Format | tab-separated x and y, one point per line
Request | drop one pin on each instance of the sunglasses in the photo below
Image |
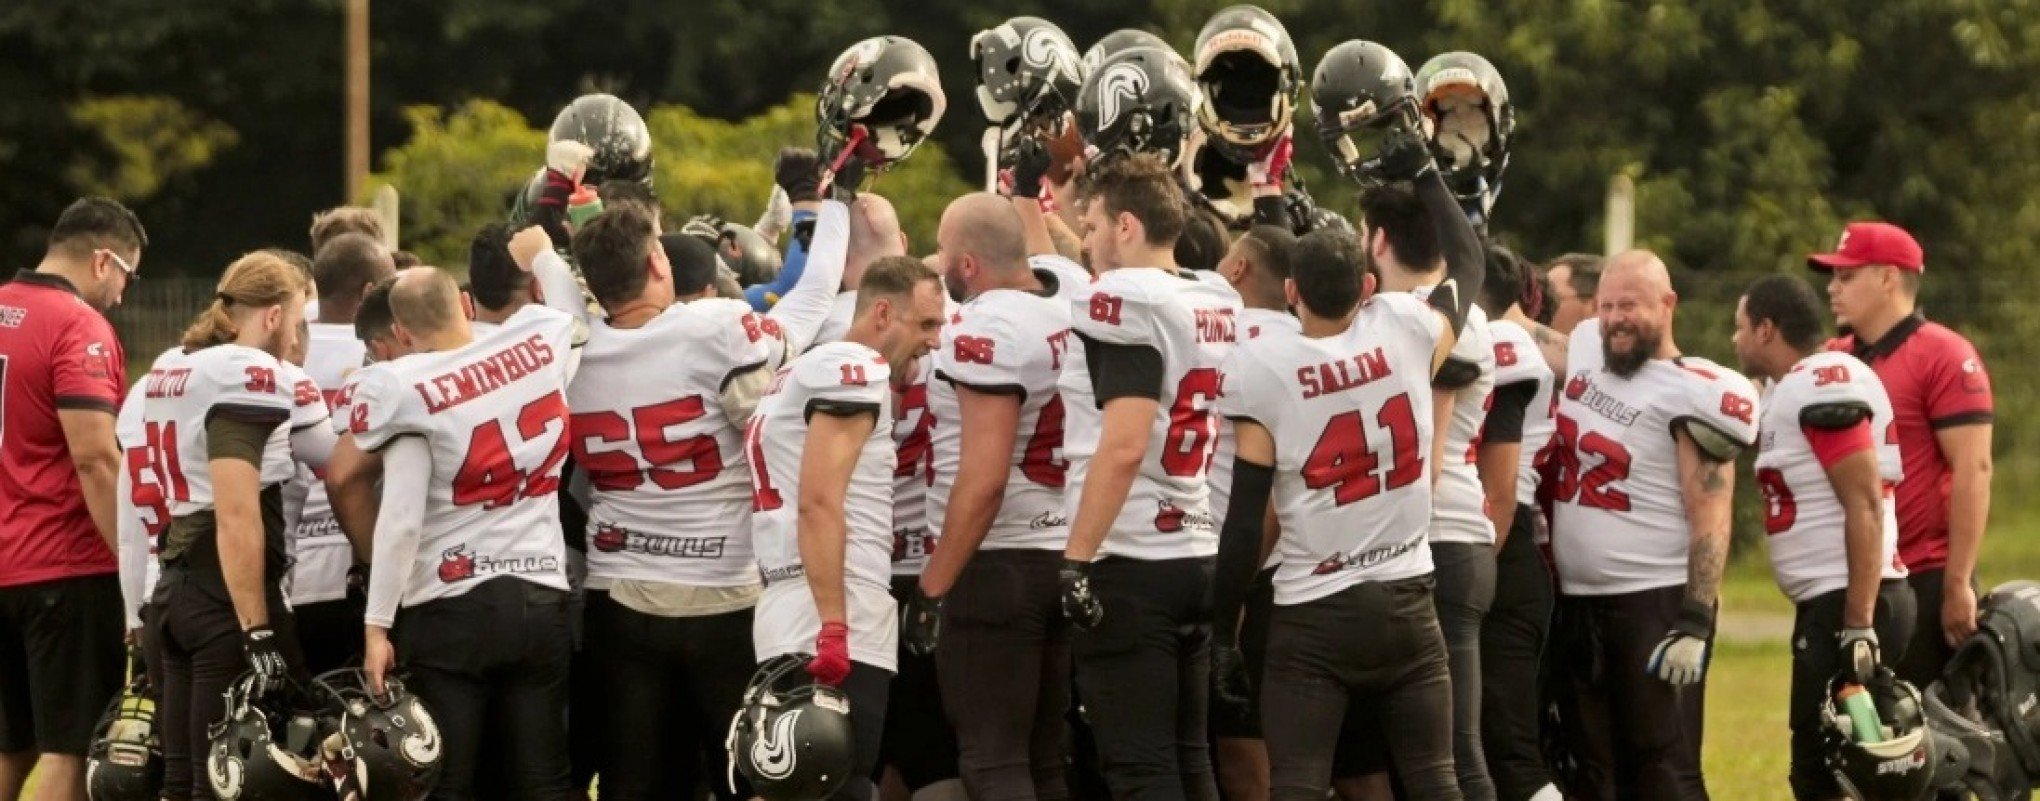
125	267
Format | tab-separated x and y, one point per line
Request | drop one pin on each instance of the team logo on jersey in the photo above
456	565
912	543
1170	518
1973	379
1576	386
610	538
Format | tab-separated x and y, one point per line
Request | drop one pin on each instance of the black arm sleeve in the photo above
1272	210
1505	418
1465	260
1239	548
1123	371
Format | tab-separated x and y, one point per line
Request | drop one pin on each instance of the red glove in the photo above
1273	165
831	664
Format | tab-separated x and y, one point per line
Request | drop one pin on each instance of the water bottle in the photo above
1862	713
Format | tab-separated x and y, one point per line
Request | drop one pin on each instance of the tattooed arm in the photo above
1707	485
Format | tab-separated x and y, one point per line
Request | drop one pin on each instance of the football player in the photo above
1338	417
469	587
1826	462
822	457
211	412
1519	423
1139	433
1642	473
1257	267
996	499
671	579
328	608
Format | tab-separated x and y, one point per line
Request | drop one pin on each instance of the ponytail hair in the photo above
254	281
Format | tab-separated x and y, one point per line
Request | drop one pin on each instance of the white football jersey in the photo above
912	426
1007	341
1619	518
1518	359
1254	323
843	375
495	416
1461	502
837	323
183	390
1351	418
1802	514
148	497
671	492
1192	324
322	554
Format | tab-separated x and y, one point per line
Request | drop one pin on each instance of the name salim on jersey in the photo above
485	375
1353	371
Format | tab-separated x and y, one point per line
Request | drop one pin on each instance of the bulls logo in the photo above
1118	89
1577	386
1332	564
1170	519
456	565
608	538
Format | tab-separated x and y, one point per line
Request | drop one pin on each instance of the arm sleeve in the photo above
1465	261
399	523
86	369
1959	392
1239	547
801	312
1505	417
134	550
1123	371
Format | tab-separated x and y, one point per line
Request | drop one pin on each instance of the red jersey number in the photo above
913	452
1341	459
1780	509
1043	463
489	475
1193	434
1568	449
763	497
669	464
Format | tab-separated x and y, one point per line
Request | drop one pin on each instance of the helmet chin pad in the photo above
900	120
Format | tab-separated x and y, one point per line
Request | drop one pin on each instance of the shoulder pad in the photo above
1713	442
1834	414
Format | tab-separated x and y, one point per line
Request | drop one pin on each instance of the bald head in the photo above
1639	269
425	300
985	226
874	234
1636	302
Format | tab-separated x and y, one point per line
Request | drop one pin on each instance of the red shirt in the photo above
56	352
1936	381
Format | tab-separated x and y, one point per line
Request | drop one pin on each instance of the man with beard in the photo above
1642	471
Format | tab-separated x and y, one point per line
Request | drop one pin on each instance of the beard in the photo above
1644	345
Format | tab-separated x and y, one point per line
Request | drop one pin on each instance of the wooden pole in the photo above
357	99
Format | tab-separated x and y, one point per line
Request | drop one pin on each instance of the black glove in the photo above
1405	156
1230	683
265	658
798	171
1029	161
1079	605
921	622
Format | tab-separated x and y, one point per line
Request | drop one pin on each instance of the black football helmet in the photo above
1028	72
1117	42
751	258
792	737
1469	120
389	745
262	751
616	132
1914	762
125	761
1247	69
1359	90
1139	101
889	86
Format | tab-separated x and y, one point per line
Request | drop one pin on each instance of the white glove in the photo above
1859	653
777	218
568	157
1680	659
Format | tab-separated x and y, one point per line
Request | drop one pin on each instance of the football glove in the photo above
1681	658
1079	605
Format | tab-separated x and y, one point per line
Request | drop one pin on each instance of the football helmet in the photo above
1359	90
750	256
622	143
1139	101
125	761
263	752
889	86
1248	74
1028	72
1469	121
389	745
792	738
1117	42
1928	747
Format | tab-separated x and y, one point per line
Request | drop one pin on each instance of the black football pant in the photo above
668	687
1004	668
330	632
1145	676
1929	651
1373	646
1816	633
1511	643
1629	734
196	638
918	740
491	665
1466	588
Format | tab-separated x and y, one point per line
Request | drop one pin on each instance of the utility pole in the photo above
357	99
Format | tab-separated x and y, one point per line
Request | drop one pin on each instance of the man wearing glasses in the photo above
62	372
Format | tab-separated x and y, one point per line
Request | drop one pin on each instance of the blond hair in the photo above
253	281
344	220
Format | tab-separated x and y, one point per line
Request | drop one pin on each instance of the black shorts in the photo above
61	660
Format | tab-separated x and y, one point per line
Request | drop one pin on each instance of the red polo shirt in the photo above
1936	381
56	353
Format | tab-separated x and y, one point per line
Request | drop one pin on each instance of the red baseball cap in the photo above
1865	243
